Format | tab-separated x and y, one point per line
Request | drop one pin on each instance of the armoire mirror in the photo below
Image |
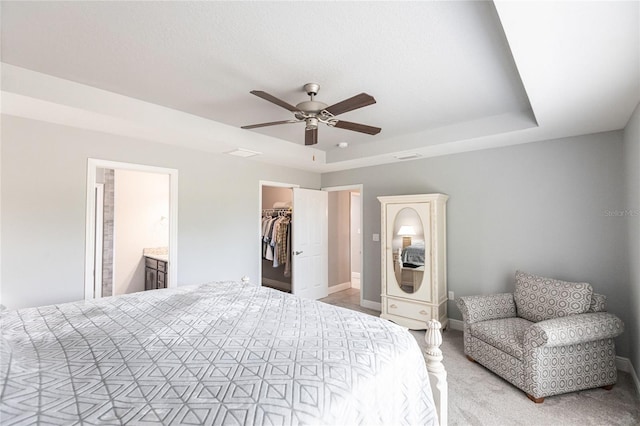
408	250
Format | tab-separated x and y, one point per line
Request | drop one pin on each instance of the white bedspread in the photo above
219	353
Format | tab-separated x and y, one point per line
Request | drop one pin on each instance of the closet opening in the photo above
276	235
296	261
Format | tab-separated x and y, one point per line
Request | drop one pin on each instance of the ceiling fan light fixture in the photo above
312	123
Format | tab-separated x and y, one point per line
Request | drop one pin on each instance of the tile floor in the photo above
349	299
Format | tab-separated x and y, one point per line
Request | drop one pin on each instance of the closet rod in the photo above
284	209
280	211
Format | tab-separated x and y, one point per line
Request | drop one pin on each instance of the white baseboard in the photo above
455	324
339	287
376	306
622	363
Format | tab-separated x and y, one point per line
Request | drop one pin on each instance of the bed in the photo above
219	353
413	255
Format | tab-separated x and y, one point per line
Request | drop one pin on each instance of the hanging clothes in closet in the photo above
276	238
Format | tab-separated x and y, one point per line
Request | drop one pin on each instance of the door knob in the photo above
297	252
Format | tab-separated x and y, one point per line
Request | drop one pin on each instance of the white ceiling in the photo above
447	76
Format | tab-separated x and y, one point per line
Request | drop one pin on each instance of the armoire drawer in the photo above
408	309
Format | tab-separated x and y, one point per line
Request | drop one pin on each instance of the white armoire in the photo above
414	263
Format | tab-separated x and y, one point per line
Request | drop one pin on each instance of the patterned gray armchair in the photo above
548	337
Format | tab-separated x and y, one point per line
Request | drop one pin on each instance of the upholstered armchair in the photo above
548	337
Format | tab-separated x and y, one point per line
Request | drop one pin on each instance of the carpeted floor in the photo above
479	397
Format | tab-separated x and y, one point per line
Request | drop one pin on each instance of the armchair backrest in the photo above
539	298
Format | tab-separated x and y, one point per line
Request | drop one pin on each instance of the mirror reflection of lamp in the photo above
406	232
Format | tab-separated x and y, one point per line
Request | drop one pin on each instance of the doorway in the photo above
142	202
306	249
345	239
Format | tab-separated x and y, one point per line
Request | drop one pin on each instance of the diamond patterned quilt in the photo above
218	354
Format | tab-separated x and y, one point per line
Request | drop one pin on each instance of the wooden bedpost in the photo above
437	373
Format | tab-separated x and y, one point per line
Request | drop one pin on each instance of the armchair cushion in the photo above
482	308
573	329
538	298
505	334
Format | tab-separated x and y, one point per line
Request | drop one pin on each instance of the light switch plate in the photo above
451	295
376	237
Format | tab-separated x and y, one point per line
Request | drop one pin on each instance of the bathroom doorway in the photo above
131	215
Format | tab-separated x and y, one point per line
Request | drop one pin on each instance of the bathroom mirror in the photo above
408	250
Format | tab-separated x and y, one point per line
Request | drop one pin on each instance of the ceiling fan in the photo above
313	112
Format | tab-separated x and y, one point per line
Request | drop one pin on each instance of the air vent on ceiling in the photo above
244	153
410	156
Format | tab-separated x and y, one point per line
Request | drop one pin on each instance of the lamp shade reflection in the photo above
406	232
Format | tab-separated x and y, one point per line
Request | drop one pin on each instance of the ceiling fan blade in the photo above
311	137
357	127
272	123
355	102
273	99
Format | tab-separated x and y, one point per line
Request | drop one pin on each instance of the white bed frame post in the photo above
437	373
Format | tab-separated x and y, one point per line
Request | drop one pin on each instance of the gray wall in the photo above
540	207
44	172
339	236
632	219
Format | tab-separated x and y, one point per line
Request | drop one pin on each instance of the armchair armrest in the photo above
573	329
598	303
483	308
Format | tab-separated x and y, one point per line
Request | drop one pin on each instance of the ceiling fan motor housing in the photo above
311	107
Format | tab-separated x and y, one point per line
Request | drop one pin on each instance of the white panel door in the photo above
310	244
